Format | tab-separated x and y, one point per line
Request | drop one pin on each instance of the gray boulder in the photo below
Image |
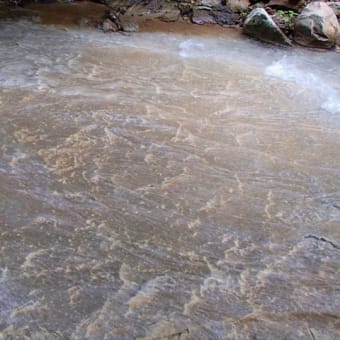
261	26
317	26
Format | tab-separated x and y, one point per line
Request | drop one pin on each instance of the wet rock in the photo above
116	22
169	13
335	6
286	4
317	26
109	26
225	17
202	16
128	24
238	6
261	26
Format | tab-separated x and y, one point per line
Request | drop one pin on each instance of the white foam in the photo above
331	105
191	48
287	69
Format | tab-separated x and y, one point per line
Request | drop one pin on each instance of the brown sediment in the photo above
69	15
183	27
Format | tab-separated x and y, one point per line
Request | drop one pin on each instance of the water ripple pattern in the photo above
160	186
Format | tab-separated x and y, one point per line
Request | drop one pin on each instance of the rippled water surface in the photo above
160	186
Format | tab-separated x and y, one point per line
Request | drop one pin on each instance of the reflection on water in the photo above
157	186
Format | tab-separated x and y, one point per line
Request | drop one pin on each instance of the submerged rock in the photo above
317	26
261	26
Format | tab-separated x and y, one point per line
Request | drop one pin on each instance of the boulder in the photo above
286	4
237	6
261	26
317	26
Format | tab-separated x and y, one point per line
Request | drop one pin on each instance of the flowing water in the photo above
160	186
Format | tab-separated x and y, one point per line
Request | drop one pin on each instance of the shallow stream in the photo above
158	186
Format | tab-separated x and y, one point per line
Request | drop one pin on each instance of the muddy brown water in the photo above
162	186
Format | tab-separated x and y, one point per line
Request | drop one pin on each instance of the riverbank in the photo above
88	15
285	24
